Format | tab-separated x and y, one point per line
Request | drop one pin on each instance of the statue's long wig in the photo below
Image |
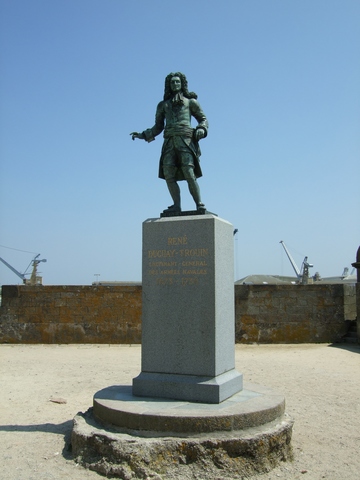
184	86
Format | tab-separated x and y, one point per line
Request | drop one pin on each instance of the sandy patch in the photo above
321	384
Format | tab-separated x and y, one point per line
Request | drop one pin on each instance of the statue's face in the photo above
175	84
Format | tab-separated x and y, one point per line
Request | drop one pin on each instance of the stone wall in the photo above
70	314
112	314
350	308
293	314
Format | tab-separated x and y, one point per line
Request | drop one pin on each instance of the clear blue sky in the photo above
279	81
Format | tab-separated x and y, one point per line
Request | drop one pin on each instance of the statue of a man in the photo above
180	152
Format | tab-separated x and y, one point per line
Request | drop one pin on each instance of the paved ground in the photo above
321	384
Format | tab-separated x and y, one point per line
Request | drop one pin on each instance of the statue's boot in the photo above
174	190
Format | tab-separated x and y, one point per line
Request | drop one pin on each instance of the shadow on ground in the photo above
64	429
355	348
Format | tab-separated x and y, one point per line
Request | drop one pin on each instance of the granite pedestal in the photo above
188	328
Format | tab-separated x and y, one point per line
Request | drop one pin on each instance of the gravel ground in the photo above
44	386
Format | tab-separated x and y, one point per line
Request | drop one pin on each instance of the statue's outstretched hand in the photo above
136	135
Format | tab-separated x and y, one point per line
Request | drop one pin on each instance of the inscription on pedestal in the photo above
177	264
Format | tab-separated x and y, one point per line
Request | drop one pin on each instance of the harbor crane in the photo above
303	274
34	278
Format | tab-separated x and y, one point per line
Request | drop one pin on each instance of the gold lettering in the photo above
194	263
177	240
165	281
199	271
194	252
163	264
189	281
161	253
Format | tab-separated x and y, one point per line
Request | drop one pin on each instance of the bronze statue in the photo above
180	151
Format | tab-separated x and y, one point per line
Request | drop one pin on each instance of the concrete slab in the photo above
253	406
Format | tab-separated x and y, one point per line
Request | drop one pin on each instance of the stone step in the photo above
352	335
350	340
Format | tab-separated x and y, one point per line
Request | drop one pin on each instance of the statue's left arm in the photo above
203	125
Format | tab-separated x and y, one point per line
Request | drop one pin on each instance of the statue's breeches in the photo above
177	160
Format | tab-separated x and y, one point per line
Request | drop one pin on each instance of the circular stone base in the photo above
253	406
164	439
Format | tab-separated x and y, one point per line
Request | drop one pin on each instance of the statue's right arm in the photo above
150	133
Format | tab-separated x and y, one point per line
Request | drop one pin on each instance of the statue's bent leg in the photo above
194	189
174	189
